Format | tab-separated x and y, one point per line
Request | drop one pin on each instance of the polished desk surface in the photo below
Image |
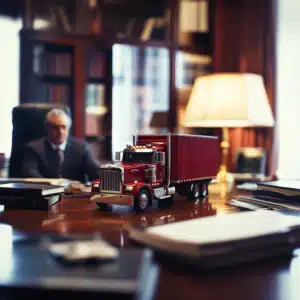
272	279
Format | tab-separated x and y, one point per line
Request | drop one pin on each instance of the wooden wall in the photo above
244	41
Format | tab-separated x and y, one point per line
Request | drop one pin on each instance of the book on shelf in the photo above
54	92
224	239
52	63
97	65
30	195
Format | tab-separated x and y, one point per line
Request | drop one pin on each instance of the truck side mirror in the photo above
118	156
162	158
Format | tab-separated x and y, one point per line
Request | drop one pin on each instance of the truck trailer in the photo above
156	167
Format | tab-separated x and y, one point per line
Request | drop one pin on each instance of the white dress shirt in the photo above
62	146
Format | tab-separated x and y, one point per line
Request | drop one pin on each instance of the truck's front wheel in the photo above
142	201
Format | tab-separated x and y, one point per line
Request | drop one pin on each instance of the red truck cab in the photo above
158	166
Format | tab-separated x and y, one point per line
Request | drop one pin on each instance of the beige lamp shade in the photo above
228	100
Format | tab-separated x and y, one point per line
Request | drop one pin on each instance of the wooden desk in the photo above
274	279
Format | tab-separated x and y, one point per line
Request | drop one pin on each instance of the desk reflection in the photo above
78	216
276	279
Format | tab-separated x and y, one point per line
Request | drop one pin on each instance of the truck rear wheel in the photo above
204	190
142	201
194	191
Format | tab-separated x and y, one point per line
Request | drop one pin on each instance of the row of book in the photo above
54	93
61	64
53	64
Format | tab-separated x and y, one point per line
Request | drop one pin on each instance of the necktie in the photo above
60	160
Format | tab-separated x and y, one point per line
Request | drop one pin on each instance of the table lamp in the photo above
227	100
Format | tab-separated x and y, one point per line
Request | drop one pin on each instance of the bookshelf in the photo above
73	70
115	63
52	72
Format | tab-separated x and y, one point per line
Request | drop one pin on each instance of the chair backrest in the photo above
251	160
28	125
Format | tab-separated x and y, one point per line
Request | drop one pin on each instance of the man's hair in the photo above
57	112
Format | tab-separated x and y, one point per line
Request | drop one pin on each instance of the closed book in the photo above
246	205
269	202
29	195
35	274
289	188
32	188
224	239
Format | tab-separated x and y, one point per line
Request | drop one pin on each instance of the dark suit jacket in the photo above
40	161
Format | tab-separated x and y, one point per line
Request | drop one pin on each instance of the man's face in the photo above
58	129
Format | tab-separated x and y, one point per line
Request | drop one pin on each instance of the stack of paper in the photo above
225	239
279	194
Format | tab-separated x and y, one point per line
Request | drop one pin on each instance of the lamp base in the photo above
224	182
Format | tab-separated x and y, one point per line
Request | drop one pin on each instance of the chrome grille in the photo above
110	180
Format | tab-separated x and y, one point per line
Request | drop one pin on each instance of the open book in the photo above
224	239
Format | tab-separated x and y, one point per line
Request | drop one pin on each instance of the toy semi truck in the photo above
158	166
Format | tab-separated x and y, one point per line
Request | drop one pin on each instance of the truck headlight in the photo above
128	188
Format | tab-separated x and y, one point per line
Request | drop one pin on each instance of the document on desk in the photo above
237	202
225	239
267	202
289	188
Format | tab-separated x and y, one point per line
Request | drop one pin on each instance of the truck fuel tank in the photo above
150	174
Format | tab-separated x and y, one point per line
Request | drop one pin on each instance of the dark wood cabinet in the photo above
244	41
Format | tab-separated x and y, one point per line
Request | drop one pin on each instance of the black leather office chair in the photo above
28	125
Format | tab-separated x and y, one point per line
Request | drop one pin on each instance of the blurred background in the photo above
128	66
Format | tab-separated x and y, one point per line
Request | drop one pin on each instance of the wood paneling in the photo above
244	42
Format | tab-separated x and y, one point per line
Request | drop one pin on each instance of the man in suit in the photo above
59	155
